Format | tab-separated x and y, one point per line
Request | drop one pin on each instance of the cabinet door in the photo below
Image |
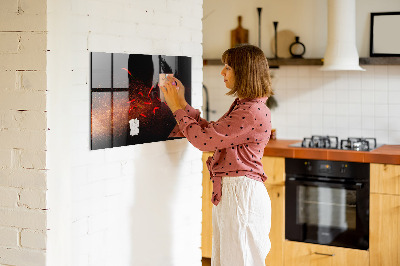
385	178
384	230
206	232
277	233
274	168
304	254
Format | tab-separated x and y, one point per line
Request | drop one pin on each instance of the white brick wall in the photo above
33	239
135	205
11	256
23	132
9	197
9	237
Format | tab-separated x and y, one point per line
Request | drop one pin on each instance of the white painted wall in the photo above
135	205
23	133
344	103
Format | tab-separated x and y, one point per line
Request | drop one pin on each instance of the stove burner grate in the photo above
332	142
358	144
328	142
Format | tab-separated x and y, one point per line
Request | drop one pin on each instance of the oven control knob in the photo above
308	166
343	168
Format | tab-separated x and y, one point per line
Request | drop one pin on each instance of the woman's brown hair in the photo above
250	66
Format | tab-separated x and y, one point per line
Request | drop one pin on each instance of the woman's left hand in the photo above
171	95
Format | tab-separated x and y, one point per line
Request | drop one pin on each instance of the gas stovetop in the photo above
332	142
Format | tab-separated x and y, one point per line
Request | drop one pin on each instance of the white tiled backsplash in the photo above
340	103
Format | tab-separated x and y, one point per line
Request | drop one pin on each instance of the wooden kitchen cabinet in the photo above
384	236
385	178
274	168
277	233
384	215
206	225
305	254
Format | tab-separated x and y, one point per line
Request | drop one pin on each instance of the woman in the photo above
242	208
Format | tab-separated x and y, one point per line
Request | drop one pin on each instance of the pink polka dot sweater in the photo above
238	139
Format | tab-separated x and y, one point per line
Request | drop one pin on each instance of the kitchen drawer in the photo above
305	254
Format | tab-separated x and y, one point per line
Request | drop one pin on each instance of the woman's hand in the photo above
181	90
173	94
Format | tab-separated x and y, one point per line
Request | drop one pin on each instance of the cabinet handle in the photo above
324	254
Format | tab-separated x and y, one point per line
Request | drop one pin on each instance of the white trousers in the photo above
241	223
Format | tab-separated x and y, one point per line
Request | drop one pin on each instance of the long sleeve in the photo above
229	131
195	114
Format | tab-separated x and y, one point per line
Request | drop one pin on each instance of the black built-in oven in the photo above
327	202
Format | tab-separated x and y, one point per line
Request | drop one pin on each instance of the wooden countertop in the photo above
389	154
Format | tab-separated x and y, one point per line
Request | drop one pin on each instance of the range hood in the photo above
341	51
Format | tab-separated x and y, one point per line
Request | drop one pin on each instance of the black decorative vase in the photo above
297	49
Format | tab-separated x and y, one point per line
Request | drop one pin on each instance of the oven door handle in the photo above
357	185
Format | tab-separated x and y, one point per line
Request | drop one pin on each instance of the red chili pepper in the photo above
152	87
127	71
